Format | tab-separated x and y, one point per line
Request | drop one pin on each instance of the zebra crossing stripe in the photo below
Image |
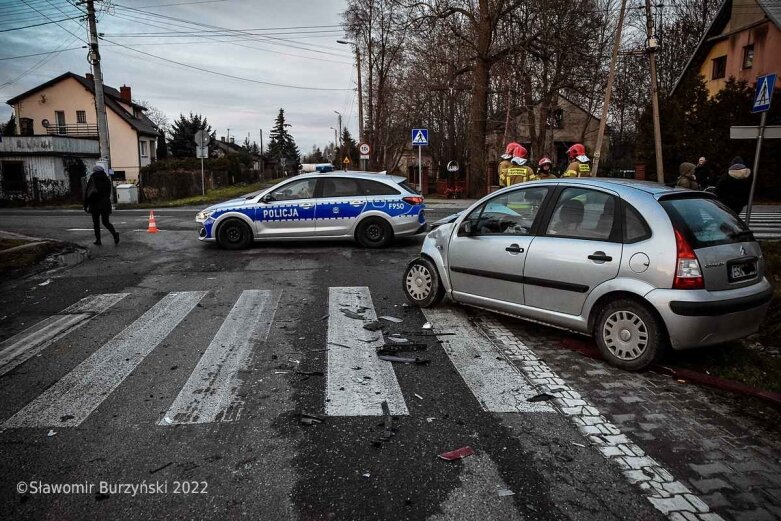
357	382
211	394
72	399
23	346
496	383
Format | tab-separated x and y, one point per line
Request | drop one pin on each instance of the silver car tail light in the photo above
688	274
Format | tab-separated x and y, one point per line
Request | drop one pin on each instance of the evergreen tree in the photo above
349	149
315	156
181	135
282	145
162	146
9	129
250	147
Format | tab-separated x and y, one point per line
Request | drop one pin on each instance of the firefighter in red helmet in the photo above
505	164
519	172
544	167
578	166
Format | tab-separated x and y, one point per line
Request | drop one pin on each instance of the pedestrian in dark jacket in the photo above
97	201
704	174
733	187
687	178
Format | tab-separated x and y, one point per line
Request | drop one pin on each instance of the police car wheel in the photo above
421	284
234	235
374	233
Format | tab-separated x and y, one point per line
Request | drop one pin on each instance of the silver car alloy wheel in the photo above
625	335
418	282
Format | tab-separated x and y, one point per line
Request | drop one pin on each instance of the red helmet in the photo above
576	150
508	152
545	161
519	154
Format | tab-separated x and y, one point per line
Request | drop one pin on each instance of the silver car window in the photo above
510	213
581	213
303	189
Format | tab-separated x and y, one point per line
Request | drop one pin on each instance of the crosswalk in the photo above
765	225
358	381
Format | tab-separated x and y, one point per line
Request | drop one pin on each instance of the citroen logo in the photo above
742	251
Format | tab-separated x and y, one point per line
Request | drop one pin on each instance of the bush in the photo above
177	178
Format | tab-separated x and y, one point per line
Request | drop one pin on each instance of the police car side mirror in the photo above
268	198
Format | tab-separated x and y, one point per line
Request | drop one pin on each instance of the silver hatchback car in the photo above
635	264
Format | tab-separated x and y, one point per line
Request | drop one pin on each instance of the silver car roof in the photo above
623	187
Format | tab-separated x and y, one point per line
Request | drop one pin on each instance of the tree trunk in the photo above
478	111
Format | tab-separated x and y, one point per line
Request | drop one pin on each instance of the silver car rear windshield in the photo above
705	222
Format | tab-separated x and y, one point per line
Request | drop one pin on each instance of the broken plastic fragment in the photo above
430	419
427	325
366	475
403	359
51	433
457	454
542	397
168	420
503	492
45	283
373	326
389	318
419	397
398	340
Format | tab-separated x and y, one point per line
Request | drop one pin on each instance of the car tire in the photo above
374	233
234	234
421	283
628	334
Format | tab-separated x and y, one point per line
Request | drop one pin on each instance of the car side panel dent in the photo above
435	248
619	284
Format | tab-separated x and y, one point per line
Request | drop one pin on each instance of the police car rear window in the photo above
340	187
408	187
377	188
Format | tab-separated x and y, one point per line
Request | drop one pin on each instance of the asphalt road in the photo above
193	371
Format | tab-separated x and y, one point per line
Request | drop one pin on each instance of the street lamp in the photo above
340	126
360	90
335	144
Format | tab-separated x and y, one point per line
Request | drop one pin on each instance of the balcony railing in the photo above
74	130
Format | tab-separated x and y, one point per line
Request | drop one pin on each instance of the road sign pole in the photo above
420	168
203	183
760	137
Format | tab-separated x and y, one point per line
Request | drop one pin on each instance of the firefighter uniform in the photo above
504	166
519	174
578	169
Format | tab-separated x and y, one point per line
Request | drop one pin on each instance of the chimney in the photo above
222	138
124	94
89	76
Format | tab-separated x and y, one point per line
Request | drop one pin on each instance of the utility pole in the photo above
608	89
360	103
340	127
651	49
97	74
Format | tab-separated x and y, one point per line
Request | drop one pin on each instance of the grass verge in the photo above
212	196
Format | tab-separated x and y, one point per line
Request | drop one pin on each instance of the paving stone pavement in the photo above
724	448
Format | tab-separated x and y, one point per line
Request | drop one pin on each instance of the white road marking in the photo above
357	392
21	347
496	383
668	495
72	399
211	392
79	230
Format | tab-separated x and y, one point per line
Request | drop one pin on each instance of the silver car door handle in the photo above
356	203
514	248
306	205
600	256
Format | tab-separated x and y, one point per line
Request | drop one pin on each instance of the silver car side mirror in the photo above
466	228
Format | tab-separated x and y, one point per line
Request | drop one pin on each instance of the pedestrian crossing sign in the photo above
419	137
764	95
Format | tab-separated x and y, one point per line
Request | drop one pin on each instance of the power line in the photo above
39	54
55	22
202	69
40	24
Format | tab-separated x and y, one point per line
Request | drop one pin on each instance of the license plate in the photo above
743	270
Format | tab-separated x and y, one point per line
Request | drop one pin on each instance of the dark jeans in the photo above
97	218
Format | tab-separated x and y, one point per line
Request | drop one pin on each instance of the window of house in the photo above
12	176
59	116
748	56
144	148
556	119
81	116
719	68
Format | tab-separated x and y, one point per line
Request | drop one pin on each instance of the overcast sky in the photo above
298	49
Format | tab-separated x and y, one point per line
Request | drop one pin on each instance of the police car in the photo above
372	208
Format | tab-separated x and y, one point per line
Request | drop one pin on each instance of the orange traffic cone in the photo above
152	224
